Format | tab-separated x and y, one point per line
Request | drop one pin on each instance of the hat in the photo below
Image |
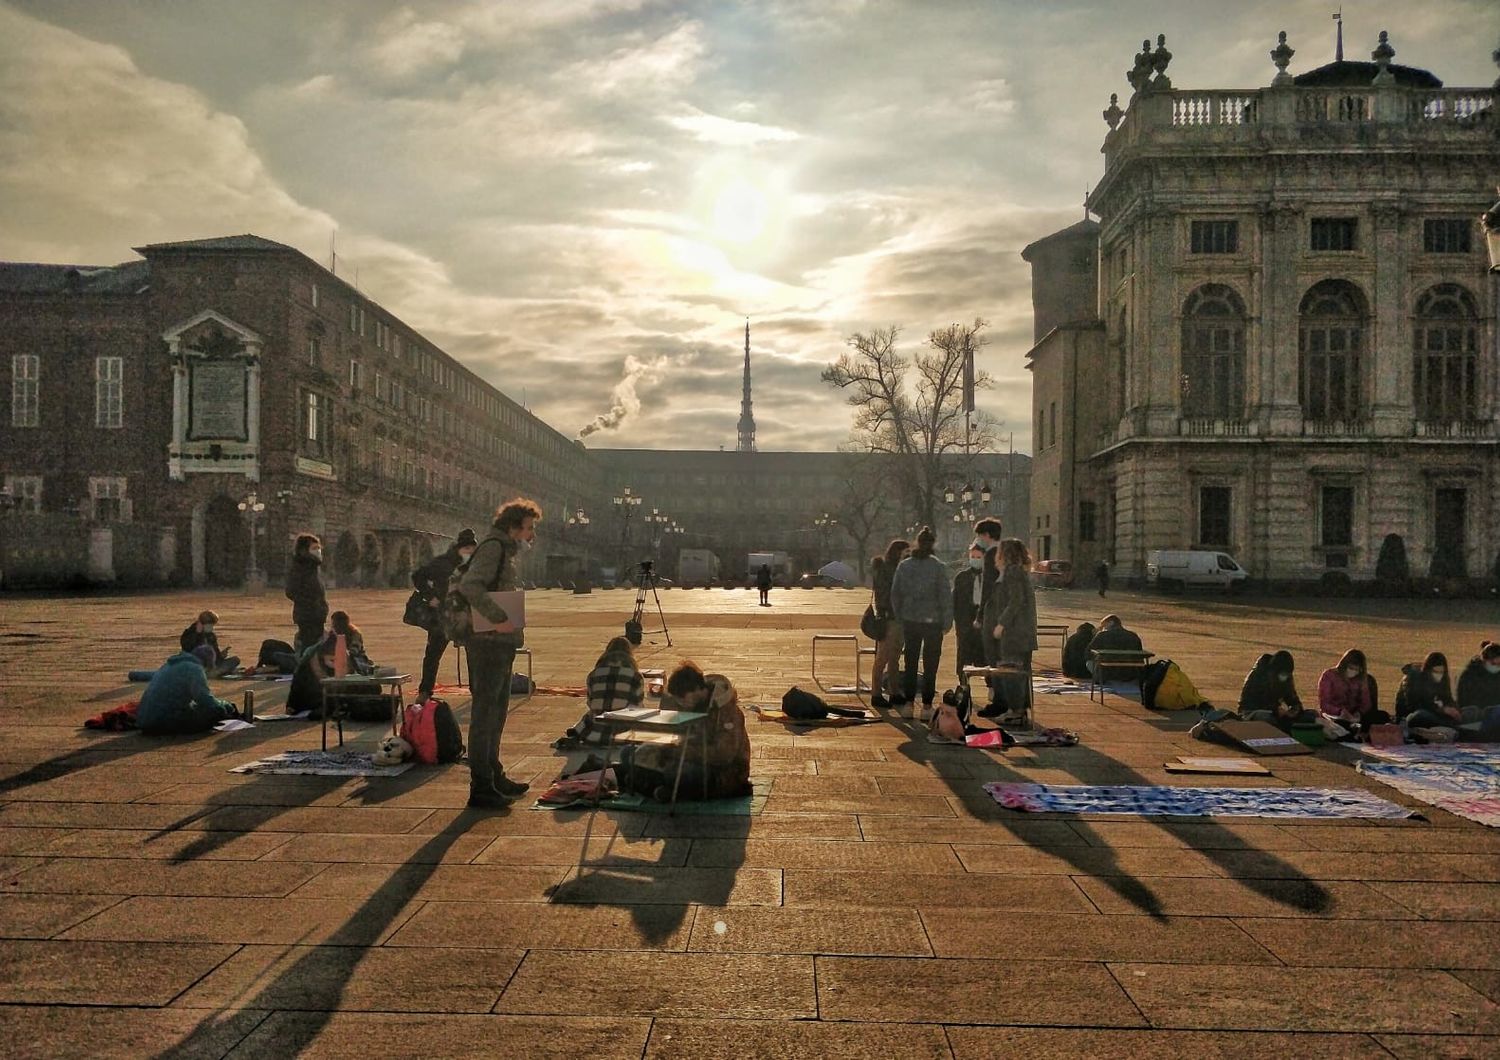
466	538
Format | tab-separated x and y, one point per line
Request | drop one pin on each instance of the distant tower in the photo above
747	416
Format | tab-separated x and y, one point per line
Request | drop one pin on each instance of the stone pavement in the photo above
882	905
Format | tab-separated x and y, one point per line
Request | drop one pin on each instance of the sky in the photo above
584	200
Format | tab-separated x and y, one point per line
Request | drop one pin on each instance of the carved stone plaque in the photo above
218	401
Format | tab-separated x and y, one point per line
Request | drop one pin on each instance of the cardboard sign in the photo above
1262	737
513	603
1239	766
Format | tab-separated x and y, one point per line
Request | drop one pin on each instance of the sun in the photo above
740	212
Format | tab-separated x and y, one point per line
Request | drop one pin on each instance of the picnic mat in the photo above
1054	687
1153	801
1460	778
321	764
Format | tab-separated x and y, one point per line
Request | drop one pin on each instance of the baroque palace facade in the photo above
1279	340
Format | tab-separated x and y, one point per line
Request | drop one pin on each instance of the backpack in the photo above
433	732
961	700
802	705
455	619
450	738
1173	689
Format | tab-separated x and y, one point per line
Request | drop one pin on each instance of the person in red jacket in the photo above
1349	695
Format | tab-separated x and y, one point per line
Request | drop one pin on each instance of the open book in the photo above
632	713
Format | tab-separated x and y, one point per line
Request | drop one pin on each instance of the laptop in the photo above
513	603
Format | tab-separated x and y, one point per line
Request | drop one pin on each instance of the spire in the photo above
747	416
1338	50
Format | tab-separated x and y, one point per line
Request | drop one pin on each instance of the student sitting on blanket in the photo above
1269	694
1479	684
650	769
1348	694
202	632
323	660
1113	636
613	684
178	700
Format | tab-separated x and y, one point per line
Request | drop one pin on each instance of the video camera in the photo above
645	566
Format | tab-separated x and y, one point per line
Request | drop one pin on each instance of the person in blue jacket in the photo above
178	700
921	599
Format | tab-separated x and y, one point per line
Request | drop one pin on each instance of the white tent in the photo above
840	570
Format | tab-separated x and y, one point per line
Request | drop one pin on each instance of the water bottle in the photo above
249	704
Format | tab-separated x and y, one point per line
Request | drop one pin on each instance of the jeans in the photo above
887	651
970	648
490	663
924	639
1428	719
436	645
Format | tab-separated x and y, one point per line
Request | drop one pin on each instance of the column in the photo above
1389	348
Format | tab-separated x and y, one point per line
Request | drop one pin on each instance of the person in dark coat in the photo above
1101	575
1425	696
1269	693
968	595
1479	684
304	588
1113	636
888	649
431	580
763	583
987	532
1011	614
920	597
201	633
1075	651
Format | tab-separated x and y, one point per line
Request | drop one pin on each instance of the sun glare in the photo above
740	212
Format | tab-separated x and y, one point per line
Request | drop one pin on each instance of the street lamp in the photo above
580	519
824	524
625	503
656	525
252	506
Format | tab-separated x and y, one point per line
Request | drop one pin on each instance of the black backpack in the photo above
1151	679
450	738
803	705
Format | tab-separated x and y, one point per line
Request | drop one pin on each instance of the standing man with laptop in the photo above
492	651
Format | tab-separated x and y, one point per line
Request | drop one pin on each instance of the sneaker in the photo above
994	710
1012	717
567	742
488	800
510	788
926	712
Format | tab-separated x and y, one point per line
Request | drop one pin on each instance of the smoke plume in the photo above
624	401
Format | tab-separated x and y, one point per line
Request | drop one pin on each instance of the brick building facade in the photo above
160	393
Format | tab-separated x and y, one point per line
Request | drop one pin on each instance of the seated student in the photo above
1479	684
651	769
202	632
1425	698
178	699
613	684
1113	636
1348	694
322	661
1075	652
1269	694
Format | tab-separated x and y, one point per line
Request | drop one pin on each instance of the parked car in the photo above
1178	569
820	581
1052	574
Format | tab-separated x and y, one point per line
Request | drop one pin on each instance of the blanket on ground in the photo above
1194	802
562	690
322	764
115	719
1123	689
1461	778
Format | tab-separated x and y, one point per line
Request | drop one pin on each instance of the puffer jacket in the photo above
921	592
181	681
1264	691
1418	691
1477	687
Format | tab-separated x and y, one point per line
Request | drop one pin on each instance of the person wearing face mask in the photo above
431	580
1269	693
1425	698
1347	693
304	588
492	654
1479	684
202	633
968	593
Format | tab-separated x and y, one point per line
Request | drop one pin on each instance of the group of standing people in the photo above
990	604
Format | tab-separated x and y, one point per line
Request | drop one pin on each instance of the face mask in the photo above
208	628
976	563
315	552
1351	673
1283	677
1438	675
465	553
527	546
1493	667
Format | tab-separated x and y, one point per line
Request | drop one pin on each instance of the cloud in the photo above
407	45
626	402
730	132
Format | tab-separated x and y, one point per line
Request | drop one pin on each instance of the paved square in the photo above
881	905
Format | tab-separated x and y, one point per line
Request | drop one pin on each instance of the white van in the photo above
1178	569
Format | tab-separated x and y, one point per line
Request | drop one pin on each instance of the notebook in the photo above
513	602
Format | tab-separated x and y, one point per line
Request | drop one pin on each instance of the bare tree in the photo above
862	504
917	423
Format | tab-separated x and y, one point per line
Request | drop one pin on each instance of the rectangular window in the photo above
356	377
1447	235
1335	233
25	379
380	391
315	424
1052	435
353	317
1215	237
1214	504
1088	520
107	497
109	391
24	492
314	351
362	321
315	296
1337	516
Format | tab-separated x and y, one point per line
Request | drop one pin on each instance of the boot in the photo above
511	789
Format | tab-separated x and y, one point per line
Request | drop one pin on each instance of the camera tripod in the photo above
645	579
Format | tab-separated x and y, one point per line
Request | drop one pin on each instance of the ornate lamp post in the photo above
965	496
824	525
580	519
656	526
625	503
252	506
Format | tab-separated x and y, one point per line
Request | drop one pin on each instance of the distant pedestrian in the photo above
1101	575
431	580
920	596
304	588
763	583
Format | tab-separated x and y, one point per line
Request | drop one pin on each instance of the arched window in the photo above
1213	354
1445	355
1331	342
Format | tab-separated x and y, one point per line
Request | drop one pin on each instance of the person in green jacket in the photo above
178	700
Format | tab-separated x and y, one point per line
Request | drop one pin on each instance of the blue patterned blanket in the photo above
1193	802
1460	778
